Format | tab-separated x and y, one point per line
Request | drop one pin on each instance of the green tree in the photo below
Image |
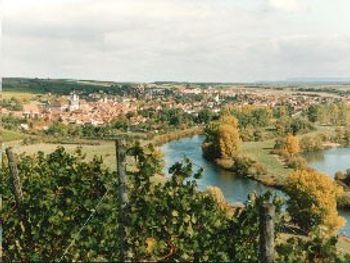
57	129
312	113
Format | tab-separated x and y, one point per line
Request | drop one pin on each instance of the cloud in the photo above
172	39
301	56
288	5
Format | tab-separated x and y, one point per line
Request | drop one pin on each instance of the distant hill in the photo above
320	80
63	86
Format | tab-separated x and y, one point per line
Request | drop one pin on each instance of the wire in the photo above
83	226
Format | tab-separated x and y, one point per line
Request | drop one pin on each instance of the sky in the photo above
187	40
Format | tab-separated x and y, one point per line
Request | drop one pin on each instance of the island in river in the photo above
234	188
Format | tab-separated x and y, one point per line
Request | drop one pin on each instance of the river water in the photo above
236	188
330	161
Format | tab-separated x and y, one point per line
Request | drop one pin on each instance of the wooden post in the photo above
267	235
252	197
121	173
17	191
15	181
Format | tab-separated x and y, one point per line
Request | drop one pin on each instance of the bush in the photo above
243	166
296	162
339	175
343	177
315	248
343	201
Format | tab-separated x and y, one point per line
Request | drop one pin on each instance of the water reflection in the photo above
312	157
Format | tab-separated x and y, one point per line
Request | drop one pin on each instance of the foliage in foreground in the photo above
60	191
167	222
317	249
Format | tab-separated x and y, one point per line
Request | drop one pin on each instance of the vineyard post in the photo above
17	191
267	235
121	173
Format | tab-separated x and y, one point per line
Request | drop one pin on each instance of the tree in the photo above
205	116
292	144
312	113
57	129
121	123
228	140
312	201
311	143
222	138
288	125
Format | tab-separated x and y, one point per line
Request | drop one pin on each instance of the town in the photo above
100	107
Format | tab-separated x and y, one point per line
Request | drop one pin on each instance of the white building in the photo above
74	102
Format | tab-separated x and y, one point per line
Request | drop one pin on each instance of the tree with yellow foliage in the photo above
292	146
312	200
222	138
228	140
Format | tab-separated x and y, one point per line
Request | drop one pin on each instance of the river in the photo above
236	188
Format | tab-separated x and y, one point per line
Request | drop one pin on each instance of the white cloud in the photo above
288	5
171	39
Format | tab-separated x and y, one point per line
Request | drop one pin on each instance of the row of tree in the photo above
329	114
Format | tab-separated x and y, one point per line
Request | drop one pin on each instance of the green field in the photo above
261	152
104	149
6	135
22	96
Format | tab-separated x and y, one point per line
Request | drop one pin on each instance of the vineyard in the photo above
61	207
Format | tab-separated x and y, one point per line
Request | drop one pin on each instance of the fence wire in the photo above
84	225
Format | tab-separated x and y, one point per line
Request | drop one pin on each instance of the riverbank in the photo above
275	171
161	139
234	188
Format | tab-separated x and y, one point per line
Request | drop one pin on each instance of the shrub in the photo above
339	175
296	162
315	248
343	201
